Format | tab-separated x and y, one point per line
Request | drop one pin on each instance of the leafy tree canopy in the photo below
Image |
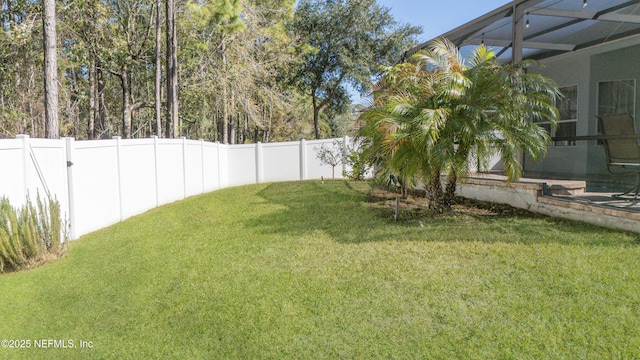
345	42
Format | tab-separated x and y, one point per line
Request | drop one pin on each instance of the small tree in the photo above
333	156
355	158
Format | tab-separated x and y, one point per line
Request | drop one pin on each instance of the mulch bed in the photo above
416	206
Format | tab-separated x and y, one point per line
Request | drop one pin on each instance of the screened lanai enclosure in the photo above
591	48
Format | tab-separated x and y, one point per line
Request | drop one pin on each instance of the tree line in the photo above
233	71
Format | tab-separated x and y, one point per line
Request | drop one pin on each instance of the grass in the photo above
310	270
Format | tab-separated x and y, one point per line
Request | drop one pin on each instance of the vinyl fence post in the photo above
202	163
155	167
69	149
258	162
219	165
119	163
184	166
303	159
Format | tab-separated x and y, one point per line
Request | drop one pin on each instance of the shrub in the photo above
31	235
339	153
355	158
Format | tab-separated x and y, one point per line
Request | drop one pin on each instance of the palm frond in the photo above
436	113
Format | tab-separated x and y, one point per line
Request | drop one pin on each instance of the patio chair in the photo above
621	153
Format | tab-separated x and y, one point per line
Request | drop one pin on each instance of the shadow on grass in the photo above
339	210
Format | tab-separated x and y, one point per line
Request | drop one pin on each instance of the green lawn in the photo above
308	270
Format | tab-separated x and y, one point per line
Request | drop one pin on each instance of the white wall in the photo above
101	182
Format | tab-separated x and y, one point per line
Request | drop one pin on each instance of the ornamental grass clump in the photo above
31	235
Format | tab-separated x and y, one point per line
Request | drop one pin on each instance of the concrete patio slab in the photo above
559	198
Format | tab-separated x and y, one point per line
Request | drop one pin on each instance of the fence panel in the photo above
108	181
96	185
137	176
193	168
210	166
242	159
12	171
223	165
47	165
170	171
281	161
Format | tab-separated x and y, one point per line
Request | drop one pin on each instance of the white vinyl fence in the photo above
101	182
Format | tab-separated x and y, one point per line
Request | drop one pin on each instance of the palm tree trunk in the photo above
450	190
435	194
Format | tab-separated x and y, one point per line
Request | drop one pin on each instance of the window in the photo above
616	97
567	105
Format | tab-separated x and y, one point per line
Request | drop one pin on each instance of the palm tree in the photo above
434	114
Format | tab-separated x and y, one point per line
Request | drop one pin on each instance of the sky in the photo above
436	17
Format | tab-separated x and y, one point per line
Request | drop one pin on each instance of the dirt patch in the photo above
417	206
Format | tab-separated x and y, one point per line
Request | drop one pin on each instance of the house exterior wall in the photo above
567	159
587	68
621	64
